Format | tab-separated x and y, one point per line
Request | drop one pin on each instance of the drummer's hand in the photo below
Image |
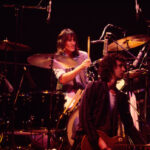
86	63
102	144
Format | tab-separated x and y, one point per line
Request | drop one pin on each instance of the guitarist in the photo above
102	103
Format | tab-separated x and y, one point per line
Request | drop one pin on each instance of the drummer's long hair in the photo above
63	37
106	66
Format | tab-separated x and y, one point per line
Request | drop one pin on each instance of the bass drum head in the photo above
72	125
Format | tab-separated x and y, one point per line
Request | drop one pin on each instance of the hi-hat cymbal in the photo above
45	60
6	45
128	42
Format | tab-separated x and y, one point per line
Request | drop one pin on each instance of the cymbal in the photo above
135	73
128	42
6	45
44	61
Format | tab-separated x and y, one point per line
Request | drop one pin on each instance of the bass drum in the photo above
72	125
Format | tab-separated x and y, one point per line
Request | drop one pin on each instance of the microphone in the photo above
138	9
97	41
49	6
102	41
139	56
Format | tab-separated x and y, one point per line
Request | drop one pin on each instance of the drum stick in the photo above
88	46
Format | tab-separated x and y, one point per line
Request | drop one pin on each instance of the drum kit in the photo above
35	113
31	114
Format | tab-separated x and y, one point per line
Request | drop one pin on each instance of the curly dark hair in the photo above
63	36
107	64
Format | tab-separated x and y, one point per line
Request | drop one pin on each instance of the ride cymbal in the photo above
128	42
45	60
6	45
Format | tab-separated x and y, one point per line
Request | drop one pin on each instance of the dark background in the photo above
22	24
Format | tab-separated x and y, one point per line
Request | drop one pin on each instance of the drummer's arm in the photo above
68	76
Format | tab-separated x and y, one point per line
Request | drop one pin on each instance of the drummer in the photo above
73	78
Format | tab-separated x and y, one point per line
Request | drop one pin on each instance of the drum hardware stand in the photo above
13	110
146	127
144	58
143	119
146	84
124	49
49	126
21	81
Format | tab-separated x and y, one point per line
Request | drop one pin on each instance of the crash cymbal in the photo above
128	42
6	45
44	61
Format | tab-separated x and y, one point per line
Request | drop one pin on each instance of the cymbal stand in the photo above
17	14
124	49
140	119
143	119
145	58
146	84
21	81
50	104
13	108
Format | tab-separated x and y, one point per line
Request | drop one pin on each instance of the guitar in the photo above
115	143
110	141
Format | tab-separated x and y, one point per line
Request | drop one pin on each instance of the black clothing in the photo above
95	114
